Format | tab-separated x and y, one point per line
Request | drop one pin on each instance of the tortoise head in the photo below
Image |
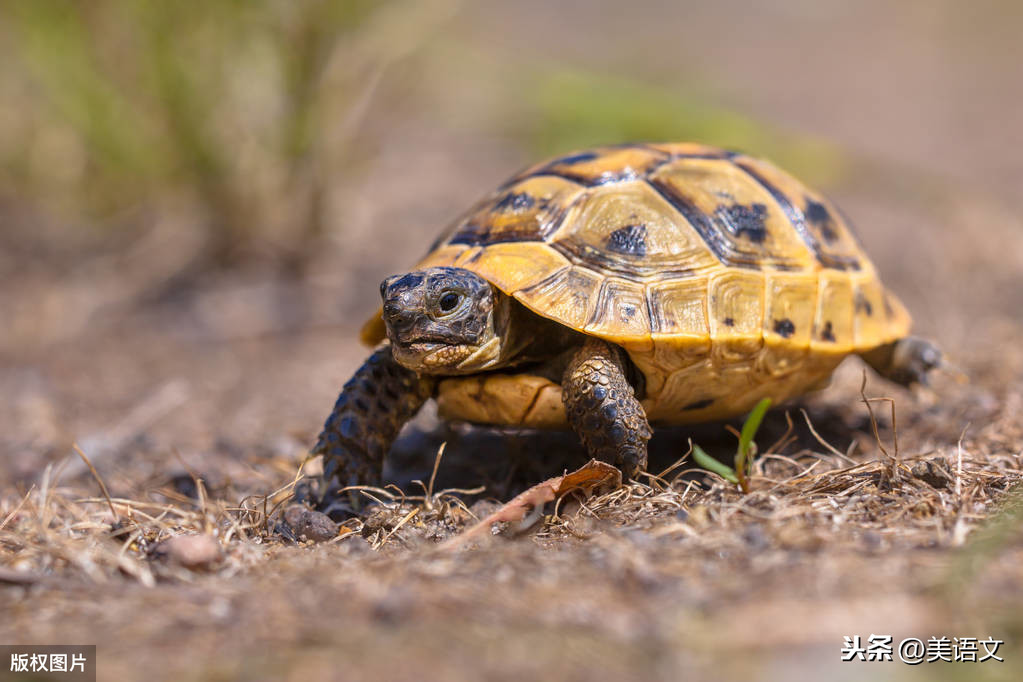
444	320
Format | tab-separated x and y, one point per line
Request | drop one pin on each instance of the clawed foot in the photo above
322	492
910	361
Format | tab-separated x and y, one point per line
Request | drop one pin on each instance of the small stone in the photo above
393	607
698	516
313	467
799	536
182	483
356	546
931	473
191	551
309	524
872	540
484	508
755	537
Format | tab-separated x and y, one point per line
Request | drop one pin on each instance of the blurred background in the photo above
198	200
197	204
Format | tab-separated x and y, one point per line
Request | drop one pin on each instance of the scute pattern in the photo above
869	315
622	310
566	235
738	218
525	211
567	295
592	235
512	266
791	302
602	166
678	308
736	304
724	278
831	242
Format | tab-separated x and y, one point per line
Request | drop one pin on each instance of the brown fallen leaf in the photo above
585	478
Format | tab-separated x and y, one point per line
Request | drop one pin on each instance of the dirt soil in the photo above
196	409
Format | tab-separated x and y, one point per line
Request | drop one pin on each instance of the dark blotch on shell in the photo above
798	219
828	333
863	305
574	159
784	327
744	221
699	404
629	240
888	309
818	215
515	201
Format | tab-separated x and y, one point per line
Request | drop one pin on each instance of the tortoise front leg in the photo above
373	406
602	407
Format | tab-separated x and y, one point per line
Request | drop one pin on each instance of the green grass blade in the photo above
749	429
711	464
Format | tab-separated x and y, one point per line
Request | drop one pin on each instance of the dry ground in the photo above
672	577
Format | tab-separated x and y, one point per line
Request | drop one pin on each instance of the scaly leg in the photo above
373	406
602	407
907	361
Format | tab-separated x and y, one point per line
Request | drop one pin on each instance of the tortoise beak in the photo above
398	319
402	297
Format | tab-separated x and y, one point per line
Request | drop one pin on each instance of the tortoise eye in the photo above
449	301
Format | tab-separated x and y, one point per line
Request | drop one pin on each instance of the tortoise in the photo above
618	287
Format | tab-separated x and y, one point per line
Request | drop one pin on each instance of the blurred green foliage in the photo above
578	109
234	108
242	116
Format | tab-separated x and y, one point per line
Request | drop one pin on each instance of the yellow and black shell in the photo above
725	279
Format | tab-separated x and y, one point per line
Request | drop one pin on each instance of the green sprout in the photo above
744	454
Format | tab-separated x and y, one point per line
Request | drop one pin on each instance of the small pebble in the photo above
183	484
755	537
931	473
872	540
313	467
309	524
191	551
393	607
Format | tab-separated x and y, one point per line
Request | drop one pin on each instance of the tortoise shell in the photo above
725	279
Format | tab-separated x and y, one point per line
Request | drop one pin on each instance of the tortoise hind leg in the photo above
602	407
907	361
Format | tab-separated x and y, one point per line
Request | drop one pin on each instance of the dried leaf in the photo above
586	478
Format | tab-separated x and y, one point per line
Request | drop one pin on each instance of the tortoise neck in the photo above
528	337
